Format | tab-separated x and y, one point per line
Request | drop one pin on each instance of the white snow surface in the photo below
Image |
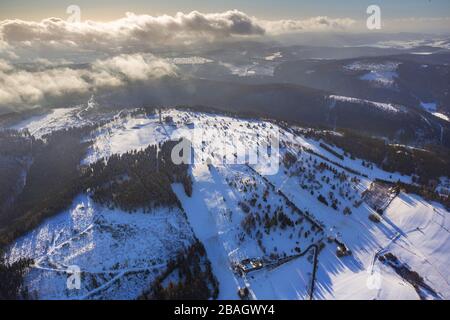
118	253
52	120
442	116
431	107
274	56
97	239
380	105
380	74
266	68
124	134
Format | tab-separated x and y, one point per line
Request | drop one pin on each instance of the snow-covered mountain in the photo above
324	225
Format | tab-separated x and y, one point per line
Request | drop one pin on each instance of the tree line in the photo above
192	275
137	179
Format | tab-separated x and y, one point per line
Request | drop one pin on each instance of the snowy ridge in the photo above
380	105
431	107
239	213
53	120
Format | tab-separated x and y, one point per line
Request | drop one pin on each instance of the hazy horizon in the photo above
399	16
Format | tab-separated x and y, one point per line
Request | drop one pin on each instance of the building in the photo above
248	265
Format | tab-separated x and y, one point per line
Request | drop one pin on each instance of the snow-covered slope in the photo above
117	252
381	106
290	222
50	121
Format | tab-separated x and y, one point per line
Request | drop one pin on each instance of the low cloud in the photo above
315	24
24	88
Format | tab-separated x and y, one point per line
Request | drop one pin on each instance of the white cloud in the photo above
52	42
134	67
137	33
321	23
5	66
27	88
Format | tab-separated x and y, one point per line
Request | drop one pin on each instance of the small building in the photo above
248	265
243	293
342	250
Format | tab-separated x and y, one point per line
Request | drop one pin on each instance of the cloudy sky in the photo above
264	9
107	25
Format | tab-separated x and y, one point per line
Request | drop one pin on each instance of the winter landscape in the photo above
224	156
